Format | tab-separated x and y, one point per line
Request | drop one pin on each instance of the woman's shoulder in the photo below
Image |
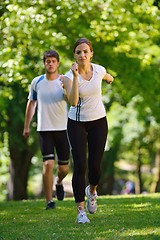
98	68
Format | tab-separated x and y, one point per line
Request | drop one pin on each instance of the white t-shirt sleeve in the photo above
69	75
33	93
101	70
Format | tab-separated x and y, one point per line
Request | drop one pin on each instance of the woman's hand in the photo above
108	78
74	69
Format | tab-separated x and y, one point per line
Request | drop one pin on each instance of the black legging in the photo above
95	134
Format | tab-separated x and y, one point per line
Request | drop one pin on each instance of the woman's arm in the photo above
71	87
108	78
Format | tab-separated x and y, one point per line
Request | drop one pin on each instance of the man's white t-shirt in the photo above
90	106
52	107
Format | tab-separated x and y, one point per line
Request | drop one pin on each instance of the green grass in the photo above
122	217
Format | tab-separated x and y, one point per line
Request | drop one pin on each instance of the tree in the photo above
137	144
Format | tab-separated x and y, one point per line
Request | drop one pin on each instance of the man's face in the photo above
51	65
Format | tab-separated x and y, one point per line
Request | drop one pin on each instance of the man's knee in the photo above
64	168
48	165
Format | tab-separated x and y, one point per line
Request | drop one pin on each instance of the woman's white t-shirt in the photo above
90	106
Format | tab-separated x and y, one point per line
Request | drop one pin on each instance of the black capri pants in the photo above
91	134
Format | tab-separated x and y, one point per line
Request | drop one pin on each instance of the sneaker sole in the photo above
87	195
91	212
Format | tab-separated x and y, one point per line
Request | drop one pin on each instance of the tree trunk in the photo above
21	150
106	183
106	187
155	187
139	184
19	170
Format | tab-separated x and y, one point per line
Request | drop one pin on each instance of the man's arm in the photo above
30	111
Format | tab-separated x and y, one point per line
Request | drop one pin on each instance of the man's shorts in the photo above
51	141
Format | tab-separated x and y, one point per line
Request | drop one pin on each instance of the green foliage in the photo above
136	136
128	33
4	163
120	217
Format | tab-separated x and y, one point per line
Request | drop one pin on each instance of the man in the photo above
47	94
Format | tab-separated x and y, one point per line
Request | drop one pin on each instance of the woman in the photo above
87	124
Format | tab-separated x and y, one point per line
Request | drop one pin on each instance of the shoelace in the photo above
82	214
92	198
81	211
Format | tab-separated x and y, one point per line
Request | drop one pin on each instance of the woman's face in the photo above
83	54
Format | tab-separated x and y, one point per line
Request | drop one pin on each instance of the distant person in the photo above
129	188
87	124
46	93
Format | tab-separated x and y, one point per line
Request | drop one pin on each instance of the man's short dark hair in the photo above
51	53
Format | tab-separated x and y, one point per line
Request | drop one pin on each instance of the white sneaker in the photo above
82	217
91	204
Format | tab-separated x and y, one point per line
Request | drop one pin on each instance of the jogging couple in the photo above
83	125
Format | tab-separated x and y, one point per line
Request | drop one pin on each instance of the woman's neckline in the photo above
87	79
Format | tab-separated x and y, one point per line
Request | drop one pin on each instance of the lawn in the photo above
120	217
